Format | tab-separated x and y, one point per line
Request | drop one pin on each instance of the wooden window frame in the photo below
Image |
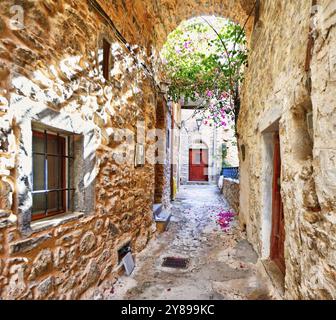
63	185
106	58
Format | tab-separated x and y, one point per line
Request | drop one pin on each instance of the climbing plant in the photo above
204	59
225	163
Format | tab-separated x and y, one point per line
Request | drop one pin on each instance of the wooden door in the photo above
198	165
278	223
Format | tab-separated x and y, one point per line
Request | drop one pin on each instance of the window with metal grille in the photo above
52	160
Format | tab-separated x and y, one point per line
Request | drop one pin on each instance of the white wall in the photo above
212	138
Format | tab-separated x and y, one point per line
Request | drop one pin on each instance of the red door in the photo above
278	222
198	165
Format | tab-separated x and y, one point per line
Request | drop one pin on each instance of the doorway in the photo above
278	224
159	168
198	165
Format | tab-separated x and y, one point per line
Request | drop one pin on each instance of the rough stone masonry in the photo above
290	83
51	75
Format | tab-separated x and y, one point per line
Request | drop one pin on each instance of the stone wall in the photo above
175	147
296	68
230	190
162	192
167	192
160	177
150	21
50	75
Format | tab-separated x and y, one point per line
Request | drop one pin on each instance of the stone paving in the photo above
223	265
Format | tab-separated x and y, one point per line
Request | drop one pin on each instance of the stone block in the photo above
230	190
16	284
45	288
112	229
71	255
6	193
87	242
59	257
141	242
29	244
42	264
90	275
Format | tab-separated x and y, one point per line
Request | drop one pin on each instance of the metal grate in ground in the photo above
177	263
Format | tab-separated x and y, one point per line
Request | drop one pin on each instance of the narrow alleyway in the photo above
222	265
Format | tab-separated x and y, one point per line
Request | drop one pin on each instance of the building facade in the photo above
205	149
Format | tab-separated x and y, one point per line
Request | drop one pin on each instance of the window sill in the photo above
54	221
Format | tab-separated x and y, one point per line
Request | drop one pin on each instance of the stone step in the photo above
201	183
163	216
157	208
162	220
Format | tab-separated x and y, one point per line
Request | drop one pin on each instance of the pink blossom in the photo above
224	95
209	93
224	218
177	49
187	44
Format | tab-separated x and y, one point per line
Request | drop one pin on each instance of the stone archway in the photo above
149	22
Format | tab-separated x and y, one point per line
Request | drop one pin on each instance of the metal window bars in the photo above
64	156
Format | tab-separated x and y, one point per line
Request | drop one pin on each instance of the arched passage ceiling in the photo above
148	22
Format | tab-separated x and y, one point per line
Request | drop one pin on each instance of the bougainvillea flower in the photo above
224	95
224	218
187	44
209	93
177	49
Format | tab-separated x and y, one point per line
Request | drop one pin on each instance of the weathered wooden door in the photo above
278	223
198	165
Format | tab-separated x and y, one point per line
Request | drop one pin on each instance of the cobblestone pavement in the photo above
222	266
